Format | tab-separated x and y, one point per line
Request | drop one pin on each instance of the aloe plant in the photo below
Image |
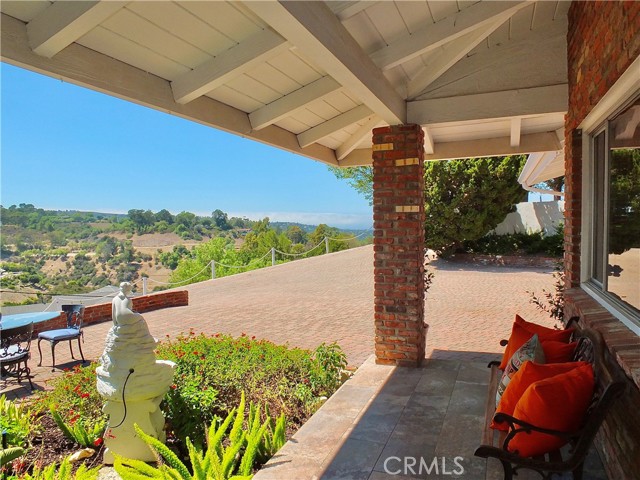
86	437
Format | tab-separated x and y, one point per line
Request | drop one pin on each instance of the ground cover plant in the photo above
213	371
283	386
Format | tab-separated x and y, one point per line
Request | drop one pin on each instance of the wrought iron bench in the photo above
610	384
15	344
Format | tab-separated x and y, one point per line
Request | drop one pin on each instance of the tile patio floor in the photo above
381	410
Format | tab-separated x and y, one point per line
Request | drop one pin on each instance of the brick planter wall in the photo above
102	312
398	222
602	41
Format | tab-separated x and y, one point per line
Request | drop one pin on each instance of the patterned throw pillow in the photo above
531	350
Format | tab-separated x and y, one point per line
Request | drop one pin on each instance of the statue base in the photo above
122	440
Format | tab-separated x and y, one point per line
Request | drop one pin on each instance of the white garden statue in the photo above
132	382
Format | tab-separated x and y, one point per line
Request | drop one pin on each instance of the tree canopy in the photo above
464	199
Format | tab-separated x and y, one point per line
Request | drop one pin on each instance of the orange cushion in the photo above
559	403
558	352
523	331
530	372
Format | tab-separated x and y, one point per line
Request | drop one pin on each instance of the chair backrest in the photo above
74	315
15	340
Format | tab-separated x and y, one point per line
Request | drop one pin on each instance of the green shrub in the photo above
212	372
517	243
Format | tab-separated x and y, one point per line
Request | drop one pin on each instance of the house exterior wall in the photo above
398	244
603	40
532	217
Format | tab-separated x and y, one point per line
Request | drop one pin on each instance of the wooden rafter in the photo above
319	35
62	23
429	38
228	65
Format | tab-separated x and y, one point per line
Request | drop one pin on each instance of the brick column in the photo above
572	207
398	222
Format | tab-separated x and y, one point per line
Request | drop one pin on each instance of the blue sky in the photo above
70	148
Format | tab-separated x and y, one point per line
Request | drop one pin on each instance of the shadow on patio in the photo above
400	423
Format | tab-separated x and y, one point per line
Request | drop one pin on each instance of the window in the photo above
615	197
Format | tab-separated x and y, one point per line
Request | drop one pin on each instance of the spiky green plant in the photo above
78	432
9	454
232	460
63	472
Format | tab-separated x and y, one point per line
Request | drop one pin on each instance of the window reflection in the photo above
624	207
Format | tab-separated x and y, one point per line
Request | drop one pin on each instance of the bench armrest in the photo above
519	426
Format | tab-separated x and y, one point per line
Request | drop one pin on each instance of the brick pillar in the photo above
572	207
398	222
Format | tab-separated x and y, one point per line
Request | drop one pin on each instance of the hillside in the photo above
48	253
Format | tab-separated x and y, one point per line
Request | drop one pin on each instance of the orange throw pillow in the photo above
558	352
523	331
559	403
530	372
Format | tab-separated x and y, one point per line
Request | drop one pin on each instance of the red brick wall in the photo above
398	222
619	438
102	312
602	41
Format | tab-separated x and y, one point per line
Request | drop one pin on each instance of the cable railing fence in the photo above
211	266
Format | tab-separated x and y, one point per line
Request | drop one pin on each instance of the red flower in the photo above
97	442
173	387
84	395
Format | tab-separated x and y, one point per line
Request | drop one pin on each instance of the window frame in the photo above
622	94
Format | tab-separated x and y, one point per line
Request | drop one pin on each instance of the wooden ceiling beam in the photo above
448	56
446	30
485	147
356	139
289	104
228	65
320	37
87	68
508	103
62	23
334	124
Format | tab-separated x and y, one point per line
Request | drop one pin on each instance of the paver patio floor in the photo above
330	298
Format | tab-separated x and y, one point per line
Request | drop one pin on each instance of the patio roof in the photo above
314	78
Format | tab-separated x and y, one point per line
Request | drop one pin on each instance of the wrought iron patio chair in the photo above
73	331
15	344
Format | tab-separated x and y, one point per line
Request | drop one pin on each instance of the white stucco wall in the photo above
533	217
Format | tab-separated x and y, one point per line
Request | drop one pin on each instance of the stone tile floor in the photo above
390	423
